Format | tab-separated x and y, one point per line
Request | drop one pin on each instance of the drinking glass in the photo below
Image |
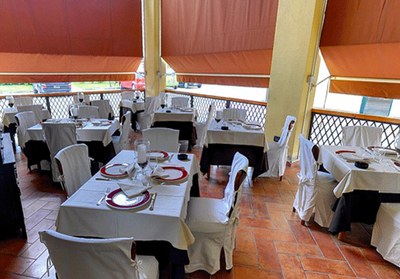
141	147
80	97
10	100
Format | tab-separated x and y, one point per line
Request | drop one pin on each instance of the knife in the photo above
152	202
103	178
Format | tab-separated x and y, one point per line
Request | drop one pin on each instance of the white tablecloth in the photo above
88	132
80	215
8	115
380	176
176	115
134	106
236	135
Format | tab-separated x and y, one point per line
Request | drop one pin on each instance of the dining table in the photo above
96	133
224	139
134	106
181	119
360	190
150	223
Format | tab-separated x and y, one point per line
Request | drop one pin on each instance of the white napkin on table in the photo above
133	189
129	169
159	172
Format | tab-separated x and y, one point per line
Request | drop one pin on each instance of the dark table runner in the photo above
359	206
222	154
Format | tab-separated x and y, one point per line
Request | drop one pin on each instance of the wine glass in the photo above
10	100
74	112
397	144
218	116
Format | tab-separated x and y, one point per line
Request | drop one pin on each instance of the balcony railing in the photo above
326	126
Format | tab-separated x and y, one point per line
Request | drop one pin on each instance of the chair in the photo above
234	114
386	232
88	112
86	99
362	136
37	110
113	258
58	136
105	109
74	167
122	141
315	188
277	152
202	127
151	104
165	139
180	102
213	222
23	101
35	151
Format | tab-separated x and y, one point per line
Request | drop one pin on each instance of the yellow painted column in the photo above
152	46
295	50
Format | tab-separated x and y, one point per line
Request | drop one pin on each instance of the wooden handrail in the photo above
217	97
62	94
390	120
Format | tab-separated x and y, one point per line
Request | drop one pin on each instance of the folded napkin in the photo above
159	172
133	189
129	169
352	157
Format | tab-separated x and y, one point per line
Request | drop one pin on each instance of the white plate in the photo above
117	199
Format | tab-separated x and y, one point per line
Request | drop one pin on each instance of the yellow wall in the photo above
295	46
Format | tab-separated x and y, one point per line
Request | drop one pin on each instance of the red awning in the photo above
218	41
69	40
361	39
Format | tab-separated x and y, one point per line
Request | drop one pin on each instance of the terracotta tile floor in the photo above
271	243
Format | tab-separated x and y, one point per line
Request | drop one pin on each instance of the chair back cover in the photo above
201	128
128	95
164	139
362	136
75	164
240	162
86	99
25	120
287	130
88	111
58	136
151	104
234	114
180	102
123	139
86	258
105	109
23	101
37	110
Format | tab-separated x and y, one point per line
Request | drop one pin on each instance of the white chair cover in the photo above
180	102
75	166
25	120
122	141
202	127
23	101
213	223
58	136
86	99
88	112
87	258
151	104
128	96
277	152
37	110
105	109
164	139
386	232
362	136
234	114
315	189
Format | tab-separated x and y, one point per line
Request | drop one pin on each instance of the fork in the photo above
104	196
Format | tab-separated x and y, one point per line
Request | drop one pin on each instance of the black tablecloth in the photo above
99	152
222	154
186	130
358	206
123	110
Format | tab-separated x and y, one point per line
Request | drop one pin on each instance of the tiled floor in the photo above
271	243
